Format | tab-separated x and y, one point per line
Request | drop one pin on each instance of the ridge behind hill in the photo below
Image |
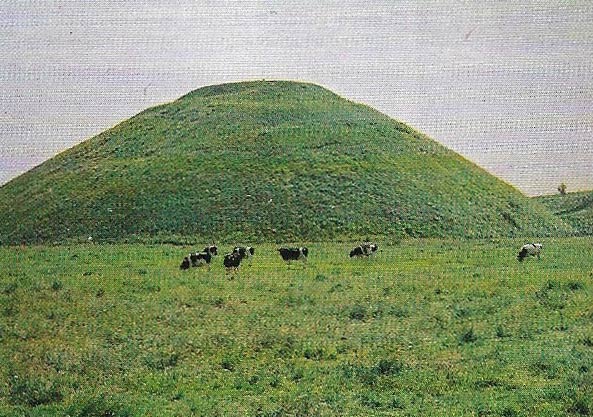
576	209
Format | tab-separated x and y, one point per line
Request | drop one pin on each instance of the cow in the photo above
366	249
531	249
245	252
357	252
211	249
232	261
200	258
370	248
184	264
294	254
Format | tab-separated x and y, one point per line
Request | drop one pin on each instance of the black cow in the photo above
366	249
357	252
294	254
369	248
245	252
200	258
232	261
184	264
212	250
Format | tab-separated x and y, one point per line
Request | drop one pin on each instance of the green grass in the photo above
427	327
265	161
575	209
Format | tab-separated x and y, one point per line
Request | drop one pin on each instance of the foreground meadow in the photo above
427	327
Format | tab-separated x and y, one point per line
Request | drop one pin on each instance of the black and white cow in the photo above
200	258
184	264
529	249
294	254
365	250
232	261
245	252
212	250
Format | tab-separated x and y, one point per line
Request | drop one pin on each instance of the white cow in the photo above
532	249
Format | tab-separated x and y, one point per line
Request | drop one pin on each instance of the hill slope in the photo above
262	160
575	209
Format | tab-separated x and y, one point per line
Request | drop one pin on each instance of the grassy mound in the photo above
575	209
262	161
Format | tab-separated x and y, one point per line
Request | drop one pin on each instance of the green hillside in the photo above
575	209
262	161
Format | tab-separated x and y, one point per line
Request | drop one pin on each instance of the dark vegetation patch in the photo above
468	336
357	312
33	390
371	374
554	294
101	405
161	360
10	288
582	405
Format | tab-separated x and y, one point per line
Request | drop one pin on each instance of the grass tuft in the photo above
468	336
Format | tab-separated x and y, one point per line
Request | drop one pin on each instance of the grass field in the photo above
427	327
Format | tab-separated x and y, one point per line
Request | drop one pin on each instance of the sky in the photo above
507	84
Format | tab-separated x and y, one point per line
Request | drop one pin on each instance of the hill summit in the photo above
257	161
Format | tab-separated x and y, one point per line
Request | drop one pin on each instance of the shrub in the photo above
562	189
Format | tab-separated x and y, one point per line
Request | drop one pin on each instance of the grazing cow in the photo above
294	254
184	264
200	258
366	249
212	250
232	261
532	249
357	252
245	252
369	248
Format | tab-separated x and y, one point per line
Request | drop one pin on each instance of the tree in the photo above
562	189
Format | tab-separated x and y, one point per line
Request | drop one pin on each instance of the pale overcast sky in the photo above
507	84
